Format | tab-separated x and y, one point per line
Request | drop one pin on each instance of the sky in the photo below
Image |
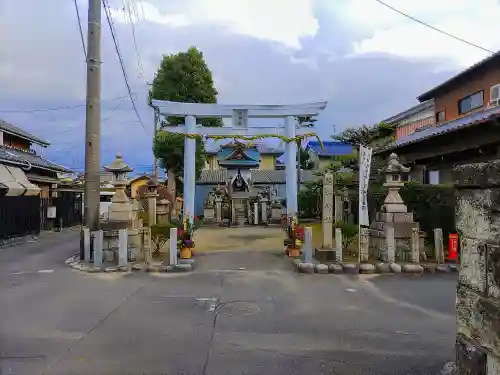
367	61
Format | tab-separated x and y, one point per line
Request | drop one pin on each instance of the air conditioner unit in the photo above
495	94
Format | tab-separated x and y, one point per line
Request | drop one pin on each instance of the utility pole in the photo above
93	117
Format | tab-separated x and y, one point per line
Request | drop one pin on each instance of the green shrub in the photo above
349	232
160	234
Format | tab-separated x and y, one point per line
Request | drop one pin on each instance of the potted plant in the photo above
296	236
185	238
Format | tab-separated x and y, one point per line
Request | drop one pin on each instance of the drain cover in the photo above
239	308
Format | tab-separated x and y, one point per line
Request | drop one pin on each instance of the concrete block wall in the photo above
478	289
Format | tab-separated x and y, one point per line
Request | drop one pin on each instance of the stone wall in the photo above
478	290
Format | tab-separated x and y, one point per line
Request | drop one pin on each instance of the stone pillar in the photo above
339	208
152	209
146	245
86	244
189	167
339	248
415	246
218	210
263	209
122	247
162	211
173	246
256	213
478	290
364	245
327	211
291	168
390	243
98	239
307	247
438	245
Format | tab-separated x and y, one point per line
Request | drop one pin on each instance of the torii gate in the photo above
239	129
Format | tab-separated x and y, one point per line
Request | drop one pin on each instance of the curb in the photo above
368	268
138	267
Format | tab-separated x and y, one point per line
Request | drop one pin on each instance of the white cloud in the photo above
275	21
389	32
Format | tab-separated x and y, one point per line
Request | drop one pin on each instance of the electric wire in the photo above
433	27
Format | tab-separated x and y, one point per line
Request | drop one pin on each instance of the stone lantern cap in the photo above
394	166
118	165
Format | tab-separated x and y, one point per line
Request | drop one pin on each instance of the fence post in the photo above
339	257
86	244
307	249
173	246
438	245
98	237
122	247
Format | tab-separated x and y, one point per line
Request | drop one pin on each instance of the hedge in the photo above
433	206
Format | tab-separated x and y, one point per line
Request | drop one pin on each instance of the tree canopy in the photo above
365	135
182	77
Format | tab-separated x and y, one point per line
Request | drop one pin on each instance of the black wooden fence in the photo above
69	209
23	216
19	216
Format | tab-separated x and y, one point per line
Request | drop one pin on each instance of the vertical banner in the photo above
365	161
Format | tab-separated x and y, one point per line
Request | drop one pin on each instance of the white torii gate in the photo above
239	115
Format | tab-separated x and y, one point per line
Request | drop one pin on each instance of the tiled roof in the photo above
435	130
331	148
257	176
14	130
216	176
18	156
410	112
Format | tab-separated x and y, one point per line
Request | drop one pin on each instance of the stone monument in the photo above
120	211
327	250
391	231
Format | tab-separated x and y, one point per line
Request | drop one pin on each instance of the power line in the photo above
122	65
56	108
127	8
80	27
434	28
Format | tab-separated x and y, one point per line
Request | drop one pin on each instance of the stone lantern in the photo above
151	194
119	209
393	202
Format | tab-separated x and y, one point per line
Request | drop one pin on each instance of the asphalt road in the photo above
238	313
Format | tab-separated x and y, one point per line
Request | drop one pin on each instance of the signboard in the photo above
365	161
240	118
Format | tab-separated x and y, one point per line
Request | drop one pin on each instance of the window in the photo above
470	102
440	116
433	177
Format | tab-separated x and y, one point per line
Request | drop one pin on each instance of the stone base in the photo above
324	255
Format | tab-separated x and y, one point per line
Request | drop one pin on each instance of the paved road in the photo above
263	319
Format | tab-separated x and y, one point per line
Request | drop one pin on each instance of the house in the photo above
466	126
321	158
245	169
22	170
410	120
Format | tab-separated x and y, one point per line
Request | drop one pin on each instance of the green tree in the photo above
181	77
376	135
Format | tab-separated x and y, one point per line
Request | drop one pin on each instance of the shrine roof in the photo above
238	156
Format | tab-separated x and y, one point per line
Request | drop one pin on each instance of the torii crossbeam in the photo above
240	128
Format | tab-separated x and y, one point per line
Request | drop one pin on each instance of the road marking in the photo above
45	271
350	290
18	273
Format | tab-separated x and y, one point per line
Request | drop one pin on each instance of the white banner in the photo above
365	161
